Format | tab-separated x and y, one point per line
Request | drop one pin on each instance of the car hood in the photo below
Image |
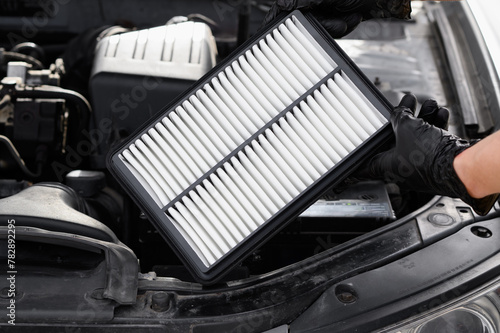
486	15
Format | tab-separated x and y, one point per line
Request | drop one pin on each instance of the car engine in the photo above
62	109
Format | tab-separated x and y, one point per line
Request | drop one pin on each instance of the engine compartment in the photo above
58	121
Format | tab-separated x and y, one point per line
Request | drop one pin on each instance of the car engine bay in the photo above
64	106
79	78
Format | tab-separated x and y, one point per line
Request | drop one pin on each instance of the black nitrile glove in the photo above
422	159
431	113
340	17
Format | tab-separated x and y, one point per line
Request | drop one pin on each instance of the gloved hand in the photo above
430	112
340	17
422	159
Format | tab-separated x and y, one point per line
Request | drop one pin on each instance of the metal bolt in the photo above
345	293
441	219
346	297
160	302
481	232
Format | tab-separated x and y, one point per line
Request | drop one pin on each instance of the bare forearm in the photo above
478	167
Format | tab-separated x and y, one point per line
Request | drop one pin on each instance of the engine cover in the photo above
135	74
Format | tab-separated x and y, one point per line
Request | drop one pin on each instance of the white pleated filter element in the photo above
268	173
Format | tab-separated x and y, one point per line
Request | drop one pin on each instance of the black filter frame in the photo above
158	215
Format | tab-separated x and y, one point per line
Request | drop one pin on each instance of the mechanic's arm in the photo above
429	159
478	167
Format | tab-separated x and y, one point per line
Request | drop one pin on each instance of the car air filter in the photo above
252	145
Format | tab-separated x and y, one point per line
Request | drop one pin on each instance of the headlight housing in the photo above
478	312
